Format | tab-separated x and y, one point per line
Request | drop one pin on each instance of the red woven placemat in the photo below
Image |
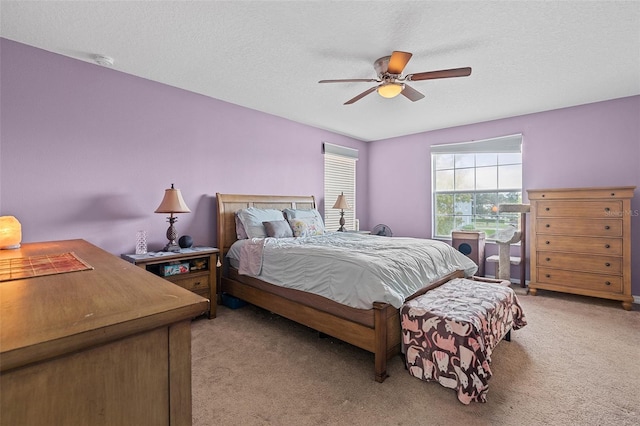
36	266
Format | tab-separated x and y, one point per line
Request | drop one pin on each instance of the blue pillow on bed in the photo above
252	219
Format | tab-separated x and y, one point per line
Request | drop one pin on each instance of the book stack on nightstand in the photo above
193	269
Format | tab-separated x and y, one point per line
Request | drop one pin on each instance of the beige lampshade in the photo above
341	203
10	232
172	202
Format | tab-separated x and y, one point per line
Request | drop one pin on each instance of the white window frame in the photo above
474	208
339	177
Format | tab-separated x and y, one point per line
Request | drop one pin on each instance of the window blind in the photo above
339	177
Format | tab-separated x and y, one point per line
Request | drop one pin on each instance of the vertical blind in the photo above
339	177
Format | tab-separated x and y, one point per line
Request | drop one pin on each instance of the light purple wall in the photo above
584	146
86	152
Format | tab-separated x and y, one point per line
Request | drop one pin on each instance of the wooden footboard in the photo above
383	340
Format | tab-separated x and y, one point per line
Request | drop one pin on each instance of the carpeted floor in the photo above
577	362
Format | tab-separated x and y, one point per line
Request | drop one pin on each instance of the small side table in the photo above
194	269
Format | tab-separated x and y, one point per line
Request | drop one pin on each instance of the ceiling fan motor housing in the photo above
381	65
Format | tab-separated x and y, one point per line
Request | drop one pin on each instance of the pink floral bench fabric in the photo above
449	334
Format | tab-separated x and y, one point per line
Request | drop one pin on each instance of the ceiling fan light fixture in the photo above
390	90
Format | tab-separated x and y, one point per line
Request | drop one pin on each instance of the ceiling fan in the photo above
389	70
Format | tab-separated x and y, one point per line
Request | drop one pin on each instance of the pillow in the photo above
306	227
252	219
241	234
278	229
304	214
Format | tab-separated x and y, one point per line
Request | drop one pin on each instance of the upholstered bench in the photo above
450	332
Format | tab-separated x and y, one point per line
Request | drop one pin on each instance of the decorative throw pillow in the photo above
304	214
241	234
252	219
306	227
278	229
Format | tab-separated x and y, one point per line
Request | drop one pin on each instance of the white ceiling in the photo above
526	56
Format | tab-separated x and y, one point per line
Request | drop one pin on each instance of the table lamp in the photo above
342	204
10	233
172	203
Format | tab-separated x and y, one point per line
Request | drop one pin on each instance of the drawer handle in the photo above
547	242
548	259
547	226
607	264
607	282
606	209
547	209
548	275
196	283
607	246
607	227
613	194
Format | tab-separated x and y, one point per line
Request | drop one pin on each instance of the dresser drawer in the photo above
593	209
581	280
606	246
580	262
591	227
193	282
585	194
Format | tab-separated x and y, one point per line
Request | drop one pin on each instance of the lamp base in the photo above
172	247
342	222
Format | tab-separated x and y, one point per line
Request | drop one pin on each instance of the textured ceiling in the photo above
527	56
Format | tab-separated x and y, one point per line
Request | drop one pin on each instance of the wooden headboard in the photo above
229	204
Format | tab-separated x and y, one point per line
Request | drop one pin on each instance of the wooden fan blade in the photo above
411	93
398	61
431	75
349	80
361	95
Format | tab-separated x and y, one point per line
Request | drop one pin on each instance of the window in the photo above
339	177
470	180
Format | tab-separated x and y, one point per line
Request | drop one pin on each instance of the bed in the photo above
375	329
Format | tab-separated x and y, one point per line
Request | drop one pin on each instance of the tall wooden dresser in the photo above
581	241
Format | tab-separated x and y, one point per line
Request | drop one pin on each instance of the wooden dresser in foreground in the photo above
105	346
581	241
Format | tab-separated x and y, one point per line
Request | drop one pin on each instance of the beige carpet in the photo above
577	362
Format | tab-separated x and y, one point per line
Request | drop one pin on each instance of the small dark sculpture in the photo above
185	241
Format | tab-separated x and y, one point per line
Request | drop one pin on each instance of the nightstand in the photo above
194	269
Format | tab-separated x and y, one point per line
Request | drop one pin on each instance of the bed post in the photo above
380	340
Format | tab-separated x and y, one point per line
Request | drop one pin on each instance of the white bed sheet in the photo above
355	269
